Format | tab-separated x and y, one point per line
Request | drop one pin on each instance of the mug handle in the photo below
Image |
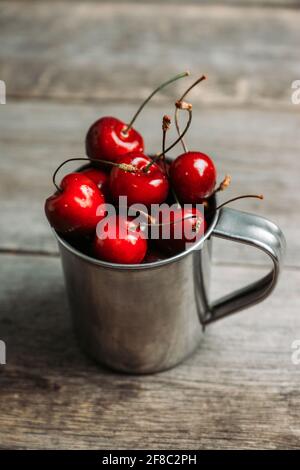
256	231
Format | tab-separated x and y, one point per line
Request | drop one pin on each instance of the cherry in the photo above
100	177
109	137
187	222
193	176
73	208
120	240
147	185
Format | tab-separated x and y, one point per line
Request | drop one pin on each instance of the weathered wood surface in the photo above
241	3
241	389
118	51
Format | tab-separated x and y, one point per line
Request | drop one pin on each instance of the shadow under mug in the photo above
149	317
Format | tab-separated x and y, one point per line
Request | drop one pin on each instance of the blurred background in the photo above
65	64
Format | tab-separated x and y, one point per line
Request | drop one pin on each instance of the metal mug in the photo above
149	317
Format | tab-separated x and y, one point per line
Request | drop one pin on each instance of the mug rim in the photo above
142	266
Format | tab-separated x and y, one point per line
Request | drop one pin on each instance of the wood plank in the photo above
259	148
245	3
117	50
49	385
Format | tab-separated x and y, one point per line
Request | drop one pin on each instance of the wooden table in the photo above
67	63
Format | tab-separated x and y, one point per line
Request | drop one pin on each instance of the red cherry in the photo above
100	177
193	175
120	240
107	139
187	222
145	186
73	209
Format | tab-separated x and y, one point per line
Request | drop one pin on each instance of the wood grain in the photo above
240	390
243	3
65	64
113	51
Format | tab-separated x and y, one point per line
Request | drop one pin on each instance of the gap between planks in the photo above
156	102
54	254
285	4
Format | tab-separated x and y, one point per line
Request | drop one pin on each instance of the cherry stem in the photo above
123	166
165	127
160	87
186	217
162	224
166	123
224	184
203	77
199	80
159	155
178	130
183	133
257	196
176	198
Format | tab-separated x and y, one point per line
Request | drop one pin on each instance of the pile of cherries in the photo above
118	166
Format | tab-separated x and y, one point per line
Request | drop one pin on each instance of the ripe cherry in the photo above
100	177
193	175
73	208
108	138
180	227
147	185
119	240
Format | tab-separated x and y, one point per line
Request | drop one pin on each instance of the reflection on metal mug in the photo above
149	317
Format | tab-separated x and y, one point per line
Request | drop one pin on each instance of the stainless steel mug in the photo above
149	317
